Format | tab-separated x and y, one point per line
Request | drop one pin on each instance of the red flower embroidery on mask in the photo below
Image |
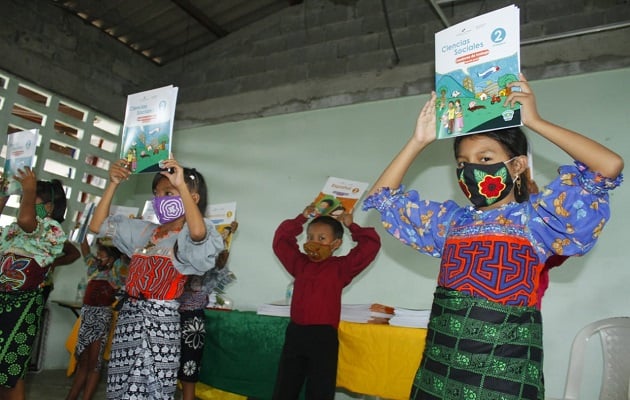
491	186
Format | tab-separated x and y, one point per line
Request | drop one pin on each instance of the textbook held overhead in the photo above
475	60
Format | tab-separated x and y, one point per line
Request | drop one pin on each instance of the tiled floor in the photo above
53	384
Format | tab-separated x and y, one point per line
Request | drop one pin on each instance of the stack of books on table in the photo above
410	318
276	309
364	313
374	313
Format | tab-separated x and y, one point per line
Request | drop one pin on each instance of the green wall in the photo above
273	167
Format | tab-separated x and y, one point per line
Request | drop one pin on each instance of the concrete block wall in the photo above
324	53
320	53
42	44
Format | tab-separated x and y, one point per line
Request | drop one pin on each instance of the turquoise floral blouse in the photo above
25	257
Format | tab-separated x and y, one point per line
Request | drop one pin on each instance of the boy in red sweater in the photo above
311	345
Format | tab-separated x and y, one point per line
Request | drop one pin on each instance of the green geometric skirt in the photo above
480	350
20	315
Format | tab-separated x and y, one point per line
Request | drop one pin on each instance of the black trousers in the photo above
309	357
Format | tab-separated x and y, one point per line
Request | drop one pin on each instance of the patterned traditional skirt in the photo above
193	339
95	325
480	350
20	315
144	356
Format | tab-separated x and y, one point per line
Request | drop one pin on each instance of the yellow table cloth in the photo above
379	360
205	392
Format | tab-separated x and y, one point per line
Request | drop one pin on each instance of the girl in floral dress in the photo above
484	337
27	249
144	357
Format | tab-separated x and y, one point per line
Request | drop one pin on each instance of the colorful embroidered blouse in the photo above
499	254
25	257
154	271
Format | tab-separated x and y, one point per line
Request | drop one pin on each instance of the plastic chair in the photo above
615	339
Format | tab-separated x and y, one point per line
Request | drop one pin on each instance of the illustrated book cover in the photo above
222	215
148	128
474	62
20	153
338	195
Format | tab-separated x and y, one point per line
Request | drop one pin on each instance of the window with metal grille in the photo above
75	143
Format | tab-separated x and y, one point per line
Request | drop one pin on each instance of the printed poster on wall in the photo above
148	128
474	62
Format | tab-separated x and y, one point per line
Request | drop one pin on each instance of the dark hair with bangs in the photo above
514	141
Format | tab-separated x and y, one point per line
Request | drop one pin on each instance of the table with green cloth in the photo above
243	349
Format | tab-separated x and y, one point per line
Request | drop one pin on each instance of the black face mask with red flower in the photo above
485	184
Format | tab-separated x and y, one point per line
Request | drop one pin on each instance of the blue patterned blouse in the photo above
499	254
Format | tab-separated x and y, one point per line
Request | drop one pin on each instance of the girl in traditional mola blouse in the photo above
27	249
484	337
146	345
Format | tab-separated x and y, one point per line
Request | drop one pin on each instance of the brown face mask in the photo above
317	251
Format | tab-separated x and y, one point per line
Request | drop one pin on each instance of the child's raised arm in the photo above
423	135
3	202
118	172
26	214
596	156
85	247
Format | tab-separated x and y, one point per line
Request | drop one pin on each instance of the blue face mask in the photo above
40	210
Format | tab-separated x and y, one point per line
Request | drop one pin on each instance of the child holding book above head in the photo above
484	337
106	273
28	247
310	351
147	339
